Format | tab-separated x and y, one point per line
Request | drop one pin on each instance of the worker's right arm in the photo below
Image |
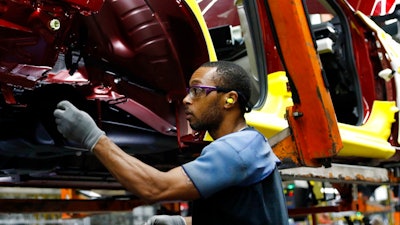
167	220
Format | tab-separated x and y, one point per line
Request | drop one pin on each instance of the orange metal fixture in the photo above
313	137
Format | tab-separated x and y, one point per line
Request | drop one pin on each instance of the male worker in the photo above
235	179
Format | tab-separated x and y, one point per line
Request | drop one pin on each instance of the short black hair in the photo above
231	76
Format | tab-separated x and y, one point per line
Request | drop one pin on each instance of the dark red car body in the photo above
127	63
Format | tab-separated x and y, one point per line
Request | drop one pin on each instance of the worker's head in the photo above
216	88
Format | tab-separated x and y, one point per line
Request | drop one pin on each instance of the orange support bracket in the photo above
313	136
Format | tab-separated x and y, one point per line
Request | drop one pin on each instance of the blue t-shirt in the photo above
237	159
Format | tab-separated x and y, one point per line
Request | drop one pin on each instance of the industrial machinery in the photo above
325	80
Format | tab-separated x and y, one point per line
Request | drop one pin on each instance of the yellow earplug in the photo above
230	100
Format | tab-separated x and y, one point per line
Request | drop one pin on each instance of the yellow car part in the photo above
368	140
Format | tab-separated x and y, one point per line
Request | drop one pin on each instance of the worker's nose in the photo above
187	100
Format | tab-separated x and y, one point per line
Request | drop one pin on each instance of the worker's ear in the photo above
230	99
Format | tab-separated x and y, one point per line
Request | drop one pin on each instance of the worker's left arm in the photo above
142	180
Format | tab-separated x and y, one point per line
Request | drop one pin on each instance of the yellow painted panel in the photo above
197	12
368	140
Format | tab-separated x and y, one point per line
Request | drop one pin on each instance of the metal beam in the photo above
338	173
62	206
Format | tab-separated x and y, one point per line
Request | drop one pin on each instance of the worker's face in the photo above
203	104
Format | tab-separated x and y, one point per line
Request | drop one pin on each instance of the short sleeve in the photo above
237	159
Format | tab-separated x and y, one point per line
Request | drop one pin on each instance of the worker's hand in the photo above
77	125
165	220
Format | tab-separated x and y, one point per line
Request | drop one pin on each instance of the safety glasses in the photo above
196	91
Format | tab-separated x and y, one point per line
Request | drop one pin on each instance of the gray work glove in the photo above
77	125
165	220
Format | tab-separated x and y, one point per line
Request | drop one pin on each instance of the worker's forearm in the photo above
142	180
133	174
